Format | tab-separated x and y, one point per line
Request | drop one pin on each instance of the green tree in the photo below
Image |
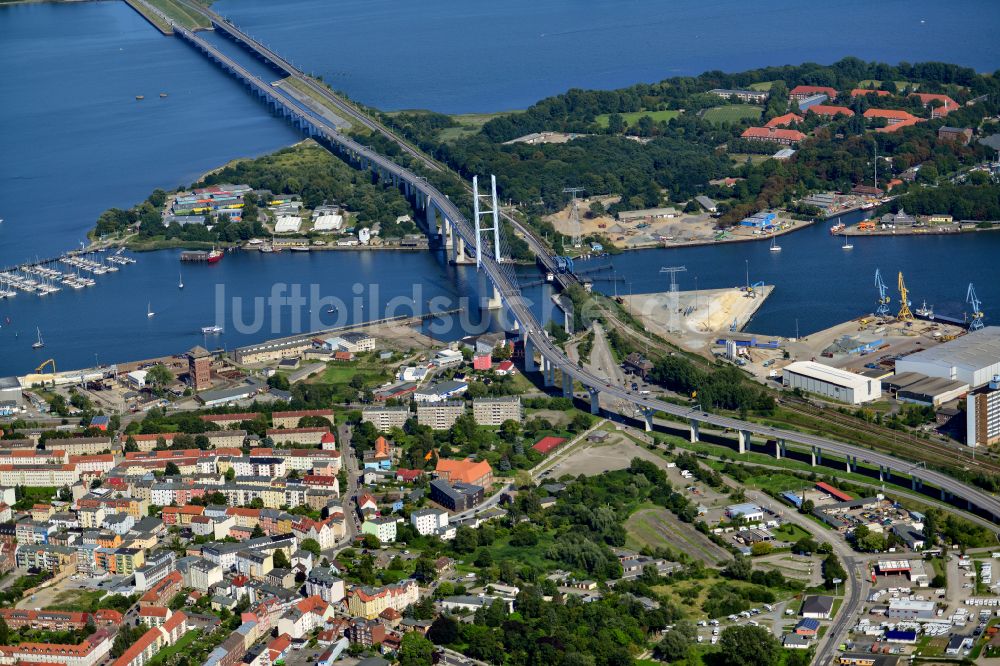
159	376
311	546
676	643
281	560
172	469
415	650
747	645
444	630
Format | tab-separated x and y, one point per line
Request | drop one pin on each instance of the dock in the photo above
72	270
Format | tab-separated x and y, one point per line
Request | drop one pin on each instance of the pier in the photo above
39	277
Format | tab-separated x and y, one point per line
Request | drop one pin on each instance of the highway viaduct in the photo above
447	222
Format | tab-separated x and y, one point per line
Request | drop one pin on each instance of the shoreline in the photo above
854	232
804	224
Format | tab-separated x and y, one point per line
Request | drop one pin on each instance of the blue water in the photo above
464	57
75	141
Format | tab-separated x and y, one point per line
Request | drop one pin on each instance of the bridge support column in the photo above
851	463
567	385
695	427
494	302
432	223
884	473
916	484
529	355
647	415
817	456
449	231
548	372
780	450
458	256
744	440
945	495
595	402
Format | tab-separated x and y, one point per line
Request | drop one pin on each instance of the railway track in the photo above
901	444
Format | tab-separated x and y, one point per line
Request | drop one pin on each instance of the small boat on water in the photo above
211	330
847	246
149	311
180	282
837	228
297	248
163	95
39	343
140	97
924	311
774	245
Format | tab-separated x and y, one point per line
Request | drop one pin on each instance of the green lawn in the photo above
468	124
78	600
763	85
732	113
341	372
186	17
166	653
790	532
633	118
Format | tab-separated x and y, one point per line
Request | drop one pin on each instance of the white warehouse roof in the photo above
972	358
825	373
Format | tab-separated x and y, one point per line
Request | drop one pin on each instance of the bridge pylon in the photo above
481	214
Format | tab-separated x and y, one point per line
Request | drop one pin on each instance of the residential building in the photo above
304	436
370	602
982	414
385	418
456	496
804	92
429	521
383	527
828	111
784	120
269	352
959	135
494	411
323	583
440	392
440	415
93	650
150	643
745	96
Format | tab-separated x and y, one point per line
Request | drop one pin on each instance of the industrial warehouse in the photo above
831	382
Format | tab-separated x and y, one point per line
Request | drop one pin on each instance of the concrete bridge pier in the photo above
495	301
548	372
744	440
780	449
458	256
567	385
595	402
647	415
695	427
529	355
884	473
916	484
817	456
945	495
449	233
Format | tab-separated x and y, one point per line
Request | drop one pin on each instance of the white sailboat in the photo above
180	281
38	344
774	245
149	311
847	246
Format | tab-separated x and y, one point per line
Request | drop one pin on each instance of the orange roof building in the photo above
947	103
784	121
861	92
477	473
783	136
896	118
802	92
830	111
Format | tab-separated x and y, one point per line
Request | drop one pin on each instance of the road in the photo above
510	293
350	463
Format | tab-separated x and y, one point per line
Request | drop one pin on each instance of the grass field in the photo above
78	600
741	158
181	14
656	527
790	532
468	124
179	647
633	118
732	113
373	372
763	85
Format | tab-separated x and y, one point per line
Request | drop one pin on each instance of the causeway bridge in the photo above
460	239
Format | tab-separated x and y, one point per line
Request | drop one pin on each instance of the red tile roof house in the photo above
784	121
828	111
861	92
783	136
896	118
947	103
802	92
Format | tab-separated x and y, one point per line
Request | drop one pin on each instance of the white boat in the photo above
149	311
38	344
924	311
774	245
180	281
847	246
211	330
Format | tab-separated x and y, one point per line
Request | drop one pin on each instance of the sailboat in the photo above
847	246
149	311
180	281
38	344
774	245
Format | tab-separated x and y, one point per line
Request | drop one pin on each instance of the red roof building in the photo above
802	92
547	444
505	368
482	362
476	473
947	103
895	118
861	92
783	136
783	121
833	492
828	111
408	475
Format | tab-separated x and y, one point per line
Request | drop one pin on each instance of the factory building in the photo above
982	414
973	359
831	382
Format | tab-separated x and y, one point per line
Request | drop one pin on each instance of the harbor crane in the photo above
575	215
904	301
976	322
883	296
